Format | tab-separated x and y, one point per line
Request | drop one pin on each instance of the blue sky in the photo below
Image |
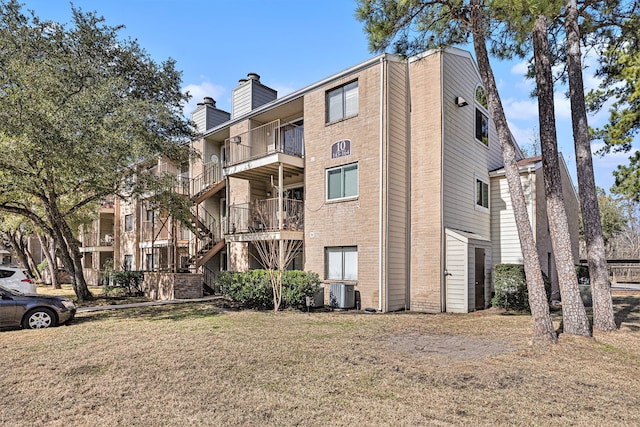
291	44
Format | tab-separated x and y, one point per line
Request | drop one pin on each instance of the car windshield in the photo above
10	291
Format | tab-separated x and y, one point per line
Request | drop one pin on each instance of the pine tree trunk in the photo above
603	317
542	325
574	316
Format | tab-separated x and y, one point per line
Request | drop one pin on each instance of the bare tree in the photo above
275	255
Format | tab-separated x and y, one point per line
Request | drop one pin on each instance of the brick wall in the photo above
353	222
426	184
168	286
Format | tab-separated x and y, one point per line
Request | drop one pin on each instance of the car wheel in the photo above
39	318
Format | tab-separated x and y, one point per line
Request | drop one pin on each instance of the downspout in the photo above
408	174
443	254
280	220
380	196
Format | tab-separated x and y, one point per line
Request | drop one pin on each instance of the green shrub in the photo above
297	285
510	286
253	288
129	281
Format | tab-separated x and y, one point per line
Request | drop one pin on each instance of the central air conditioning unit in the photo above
317	300
342	295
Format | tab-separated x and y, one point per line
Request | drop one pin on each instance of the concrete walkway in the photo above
145	304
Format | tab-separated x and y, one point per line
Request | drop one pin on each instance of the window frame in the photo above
481	113
128	223
342	90
342	250
342	169
480	198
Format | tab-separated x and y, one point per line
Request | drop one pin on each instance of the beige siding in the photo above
458	274
464	157
397	186
504	233
572	206
241	100
543	237
541	230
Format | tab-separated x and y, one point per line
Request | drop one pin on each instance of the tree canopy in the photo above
80	108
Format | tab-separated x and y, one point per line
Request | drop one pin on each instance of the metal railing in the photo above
624	273
264	215
265	139
96	239
211	175
154	230
205	221
209	277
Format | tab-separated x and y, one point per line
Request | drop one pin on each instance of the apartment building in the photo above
97	243
388	173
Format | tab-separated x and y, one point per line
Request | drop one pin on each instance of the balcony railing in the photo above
211	175
154	230
96	239
181	183
264	215
263	140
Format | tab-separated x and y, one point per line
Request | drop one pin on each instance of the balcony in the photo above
179	183
258	152
96	240
152	231
207	183
263	220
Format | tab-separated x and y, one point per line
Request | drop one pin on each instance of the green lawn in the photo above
199	364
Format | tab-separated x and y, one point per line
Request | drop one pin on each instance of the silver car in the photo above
33	311
17	279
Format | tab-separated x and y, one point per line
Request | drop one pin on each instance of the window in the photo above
482	119
128	222
341	263
150	215
342	182
342	102
6	273
150	262
128	262
482	194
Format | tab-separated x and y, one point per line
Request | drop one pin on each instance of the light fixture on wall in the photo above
461	102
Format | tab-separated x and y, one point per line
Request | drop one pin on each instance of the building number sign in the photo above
341	148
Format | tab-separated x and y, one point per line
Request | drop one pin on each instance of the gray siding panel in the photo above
397	186
464	158
504	232
456	265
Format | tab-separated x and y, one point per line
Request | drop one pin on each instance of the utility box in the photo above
342	295
317	300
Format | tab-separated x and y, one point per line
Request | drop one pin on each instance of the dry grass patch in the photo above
98	292
196	364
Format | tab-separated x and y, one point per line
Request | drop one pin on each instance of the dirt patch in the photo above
448	346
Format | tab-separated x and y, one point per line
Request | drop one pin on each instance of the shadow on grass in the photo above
173	312
627	310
